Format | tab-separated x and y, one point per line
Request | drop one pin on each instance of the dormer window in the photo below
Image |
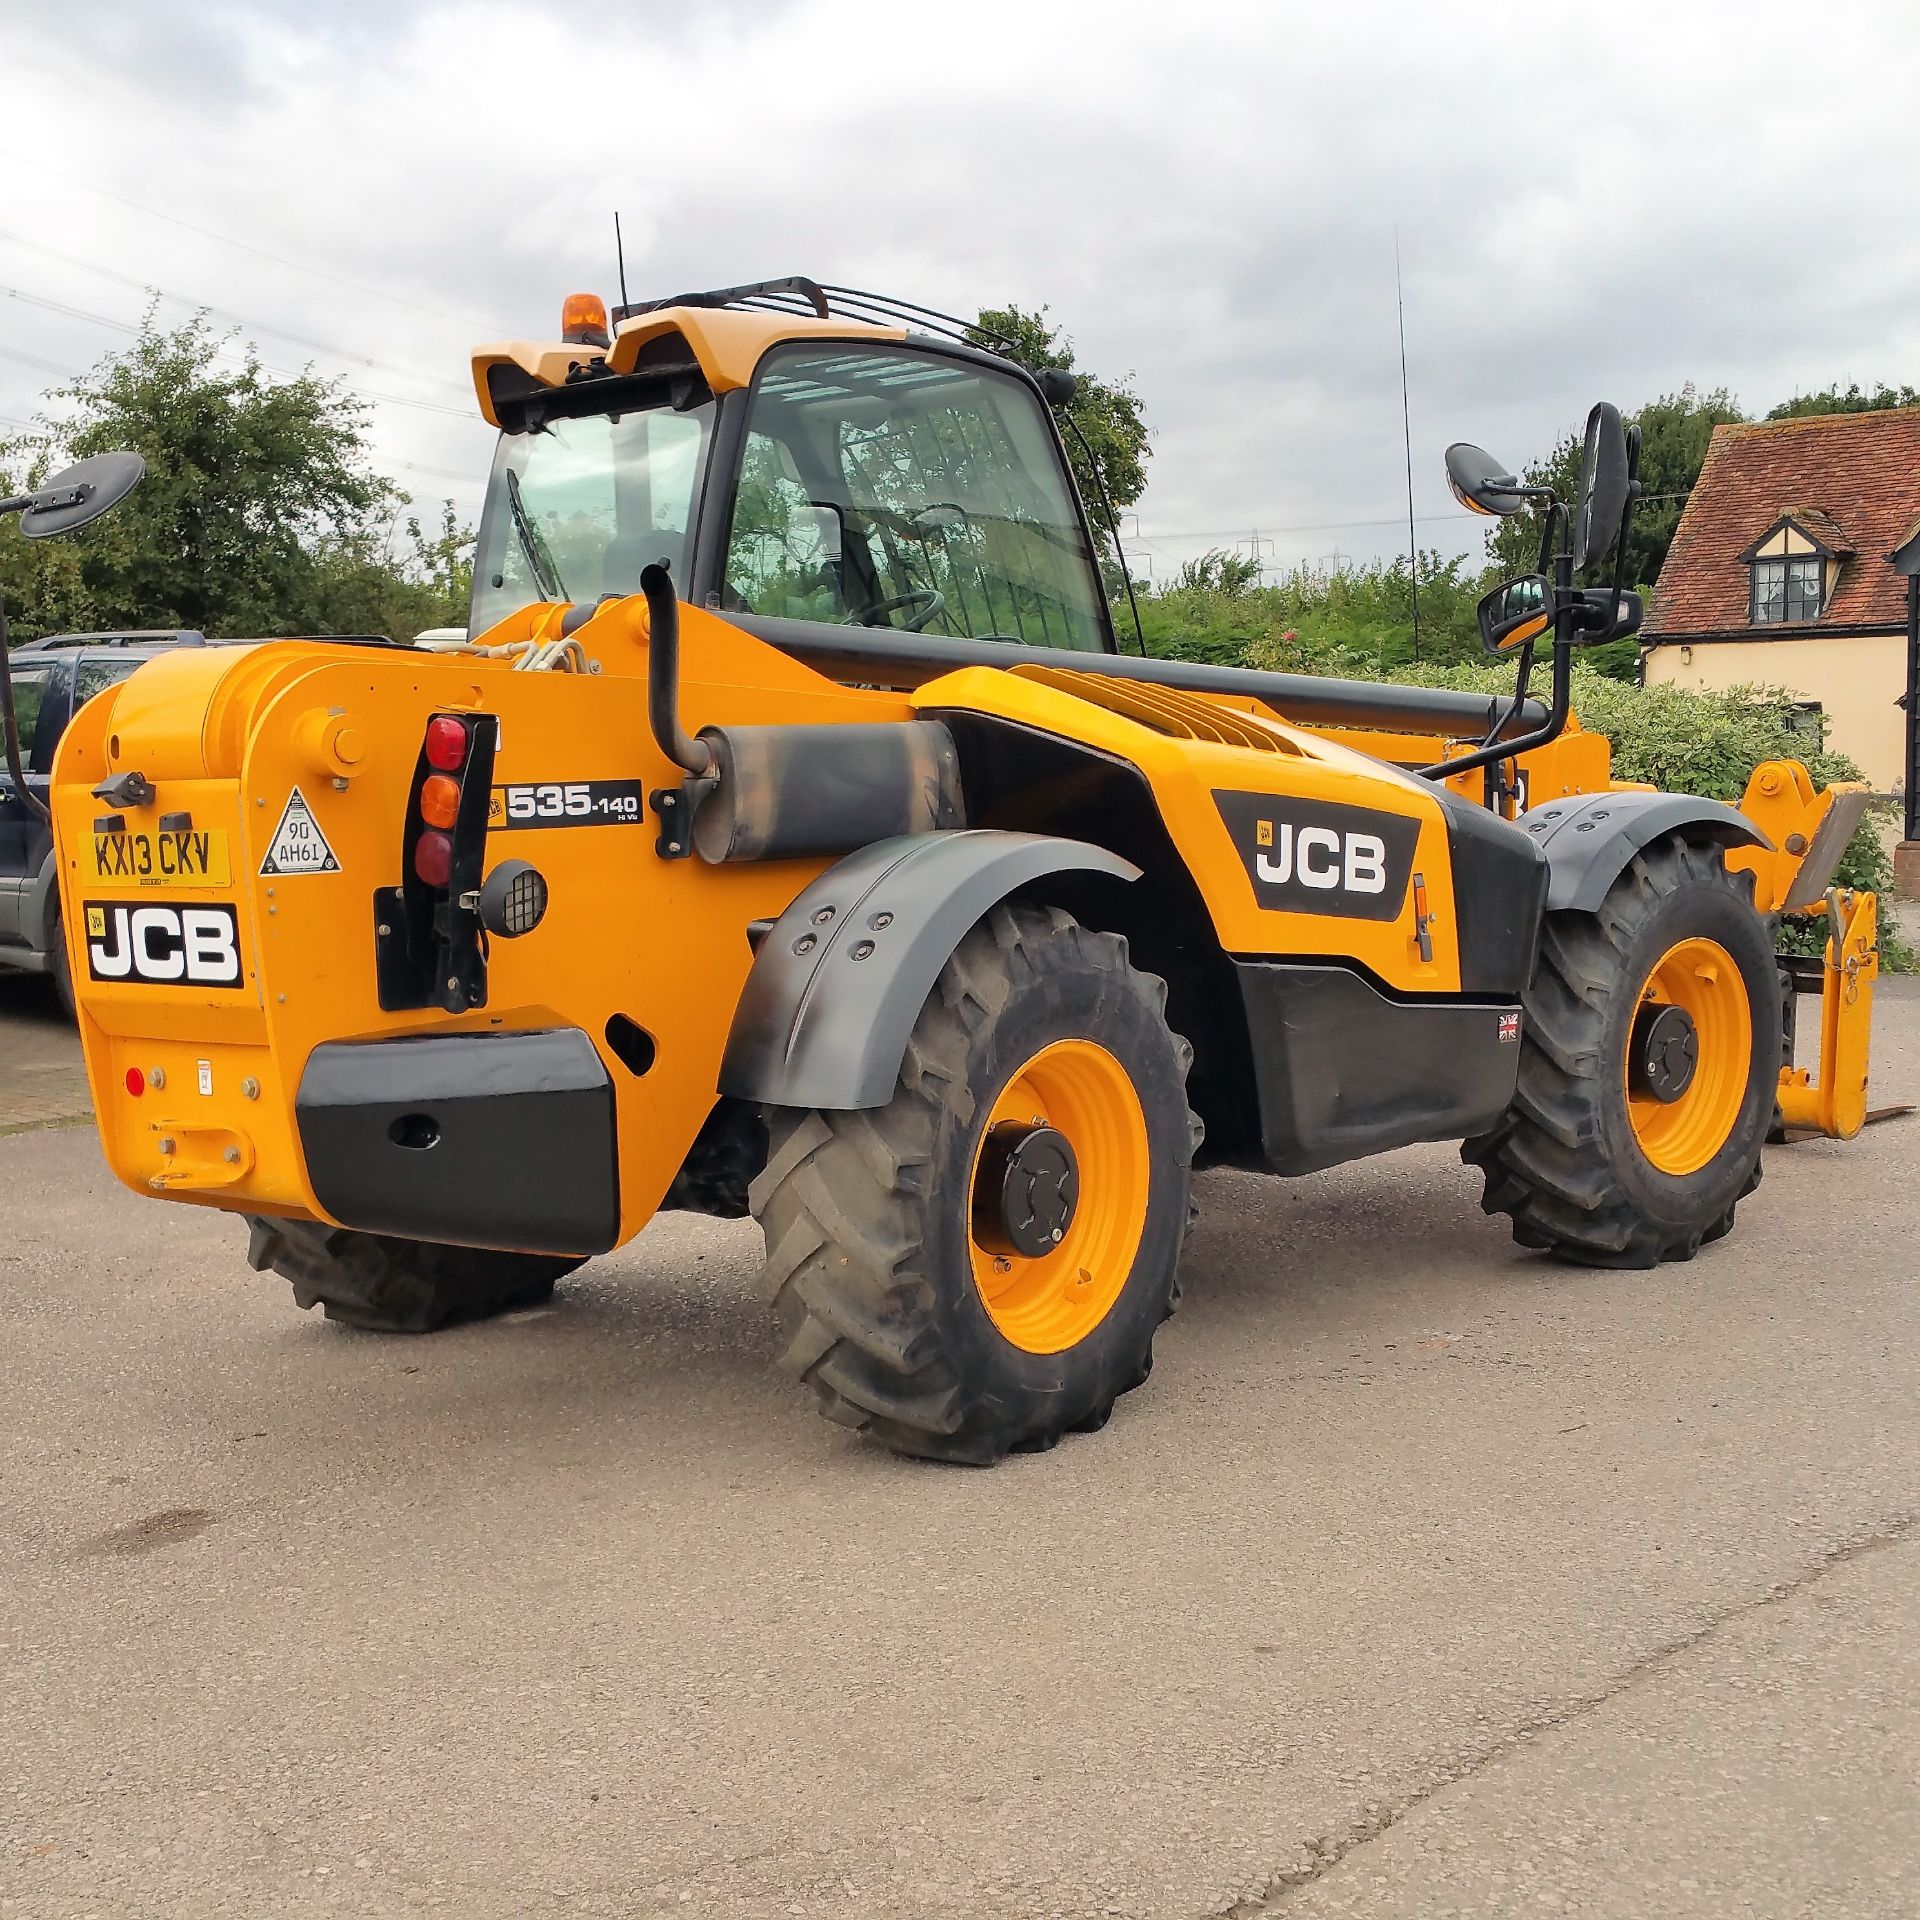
1788	589
1793	567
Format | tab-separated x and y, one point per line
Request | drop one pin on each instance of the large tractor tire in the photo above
981	1265
59	966
384	1285
1650	1056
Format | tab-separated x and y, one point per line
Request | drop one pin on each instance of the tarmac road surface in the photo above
1424	1577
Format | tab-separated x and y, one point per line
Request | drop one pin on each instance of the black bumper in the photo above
478	1139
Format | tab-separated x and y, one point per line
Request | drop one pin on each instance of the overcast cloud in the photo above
1590	201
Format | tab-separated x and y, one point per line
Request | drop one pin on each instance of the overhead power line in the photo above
68	179
223	313
34	360
127	326
1316	526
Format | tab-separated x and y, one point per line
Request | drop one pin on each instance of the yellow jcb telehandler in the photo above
791	836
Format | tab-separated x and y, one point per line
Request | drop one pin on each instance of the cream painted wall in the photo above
1856	679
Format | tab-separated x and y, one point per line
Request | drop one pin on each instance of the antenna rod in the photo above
620	255
1406	423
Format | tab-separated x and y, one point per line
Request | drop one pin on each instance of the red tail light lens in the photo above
446	743
136	1082
433	859
439	800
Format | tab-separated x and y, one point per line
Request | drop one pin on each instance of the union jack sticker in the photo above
1509	1028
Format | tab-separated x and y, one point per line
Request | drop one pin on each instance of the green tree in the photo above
1218	571
443	564
260	513
1850	399
1106	412
1674	431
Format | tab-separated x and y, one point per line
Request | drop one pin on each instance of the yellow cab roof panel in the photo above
726	342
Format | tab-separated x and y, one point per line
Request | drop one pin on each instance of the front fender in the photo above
840	979
1589	839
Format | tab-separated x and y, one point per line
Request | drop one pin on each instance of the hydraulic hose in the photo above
663	675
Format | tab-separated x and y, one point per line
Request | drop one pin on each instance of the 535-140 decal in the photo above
568	803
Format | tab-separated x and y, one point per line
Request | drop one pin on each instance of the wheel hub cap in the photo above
1026	1190
1665	1052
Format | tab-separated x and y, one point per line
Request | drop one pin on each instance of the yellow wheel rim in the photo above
1050	1302
1680	1136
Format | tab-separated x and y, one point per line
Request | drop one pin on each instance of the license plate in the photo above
149	857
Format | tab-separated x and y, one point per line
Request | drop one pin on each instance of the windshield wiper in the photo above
546	576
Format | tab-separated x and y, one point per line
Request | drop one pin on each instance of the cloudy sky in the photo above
1590	200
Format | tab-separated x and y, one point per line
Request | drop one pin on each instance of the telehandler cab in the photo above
791	837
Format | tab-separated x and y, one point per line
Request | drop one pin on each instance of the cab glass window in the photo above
29	694
902	490
96	676
576	509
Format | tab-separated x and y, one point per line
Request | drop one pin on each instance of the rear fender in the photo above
1589	839
842	975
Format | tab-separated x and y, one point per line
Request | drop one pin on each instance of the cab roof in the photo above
726	343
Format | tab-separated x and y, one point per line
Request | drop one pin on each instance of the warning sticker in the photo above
298	845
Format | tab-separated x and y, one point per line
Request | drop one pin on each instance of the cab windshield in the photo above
576	508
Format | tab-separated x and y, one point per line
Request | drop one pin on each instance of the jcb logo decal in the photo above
1314	856
164	946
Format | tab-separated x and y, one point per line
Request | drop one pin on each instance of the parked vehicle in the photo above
52	680
792	838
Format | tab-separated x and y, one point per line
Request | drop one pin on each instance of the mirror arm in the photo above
1634	491
1519	698
1553	534
1556	720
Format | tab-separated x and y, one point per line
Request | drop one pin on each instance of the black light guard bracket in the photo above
429	951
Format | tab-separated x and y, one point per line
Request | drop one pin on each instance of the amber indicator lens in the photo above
440	800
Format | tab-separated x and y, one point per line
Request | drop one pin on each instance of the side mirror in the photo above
84	492
1604	485
939	516
1596	617
1514	614
1057	386
1480	483
822	521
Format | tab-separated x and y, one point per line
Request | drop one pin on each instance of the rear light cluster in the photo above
448	749
431	930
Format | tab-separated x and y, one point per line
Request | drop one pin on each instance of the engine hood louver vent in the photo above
1183	716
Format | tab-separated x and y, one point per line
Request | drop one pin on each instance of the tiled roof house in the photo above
1794	565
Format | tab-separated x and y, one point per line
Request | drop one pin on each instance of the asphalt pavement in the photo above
1424	1577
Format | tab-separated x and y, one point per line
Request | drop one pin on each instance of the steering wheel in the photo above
928	602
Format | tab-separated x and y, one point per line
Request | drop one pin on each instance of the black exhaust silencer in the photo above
786	792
